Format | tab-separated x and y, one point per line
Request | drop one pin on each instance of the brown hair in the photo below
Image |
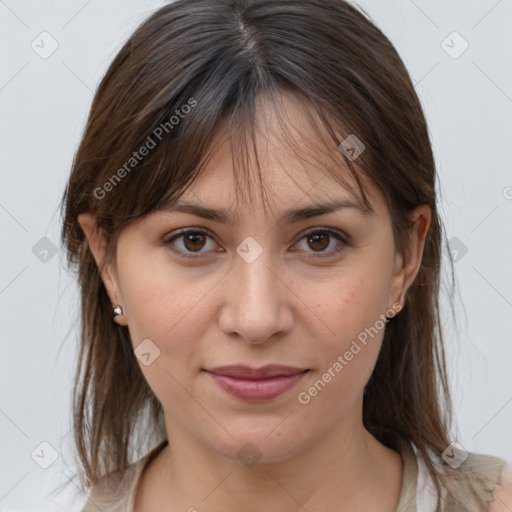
191	66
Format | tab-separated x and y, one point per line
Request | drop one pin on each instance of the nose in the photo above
257	301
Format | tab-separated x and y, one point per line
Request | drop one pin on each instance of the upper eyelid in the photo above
345	238
181	231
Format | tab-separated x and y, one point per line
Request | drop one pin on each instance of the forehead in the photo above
290	160
282	188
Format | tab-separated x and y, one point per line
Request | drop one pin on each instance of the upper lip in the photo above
248	372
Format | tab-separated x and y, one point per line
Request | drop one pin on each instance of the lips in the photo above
249	373
256	384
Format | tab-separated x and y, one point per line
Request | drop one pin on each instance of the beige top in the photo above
117	494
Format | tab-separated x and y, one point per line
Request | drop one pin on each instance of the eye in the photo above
192	240
320	239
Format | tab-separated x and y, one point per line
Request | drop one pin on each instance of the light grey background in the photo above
44	103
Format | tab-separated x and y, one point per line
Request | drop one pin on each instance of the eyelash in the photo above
343	242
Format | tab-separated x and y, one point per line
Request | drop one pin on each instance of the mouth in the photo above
256	384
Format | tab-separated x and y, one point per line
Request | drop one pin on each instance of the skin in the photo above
285	307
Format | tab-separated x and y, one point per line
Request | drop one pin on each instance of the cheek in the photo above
162	301
172	309
351	326
333	389
347	305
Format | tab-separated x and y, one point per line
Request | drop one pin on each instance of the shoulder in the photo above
502	498
477	482
115	492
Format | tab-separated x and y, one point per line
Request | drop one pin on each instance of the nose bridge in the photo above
253	270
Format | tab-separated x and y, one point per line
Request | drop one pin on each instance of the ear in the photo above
97	246
406	269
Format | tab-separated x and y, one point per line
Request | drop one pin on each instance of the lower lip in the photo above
257	390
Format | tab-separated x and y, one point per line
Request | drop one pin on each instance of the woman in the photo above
252	212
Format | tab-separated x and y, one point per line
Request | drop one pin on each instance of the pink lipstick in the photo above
256	384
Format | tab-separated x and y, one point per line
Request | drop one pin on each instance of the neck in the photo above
347	469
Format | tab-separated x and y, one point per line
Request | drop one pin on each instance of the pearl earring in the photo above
117	311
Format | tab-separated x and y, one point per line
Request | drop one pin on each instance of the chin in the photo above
262	443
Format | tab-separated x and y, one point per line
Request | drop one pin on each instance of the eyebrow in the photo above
290	216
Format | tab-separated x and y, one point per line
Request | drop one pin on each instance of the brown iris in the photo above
316	239
194	241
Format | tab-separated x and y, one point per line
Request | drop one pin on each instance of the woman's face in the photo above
261	289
